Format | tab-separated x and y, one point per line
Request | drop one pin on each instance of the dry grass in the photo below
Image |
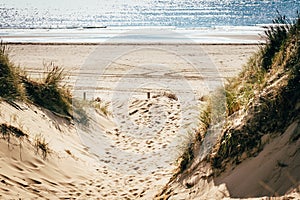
41	146
48	93
264	95
186	152
10	82
170	95
79	114
261	100
8	130
80	109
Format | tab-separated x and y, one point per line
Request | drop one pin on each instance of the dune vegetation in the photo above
265	95
46	92
10	79
260	104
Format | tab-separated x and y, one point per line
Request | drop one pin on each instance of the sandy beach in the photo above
111	62
228	58
147	99
130	146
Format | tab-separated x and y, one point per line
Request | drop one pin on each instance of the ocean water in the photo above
178	13
116	15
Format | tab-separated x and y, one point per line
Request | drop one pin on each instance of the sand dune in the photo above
24	171
128	155
273	172
116	164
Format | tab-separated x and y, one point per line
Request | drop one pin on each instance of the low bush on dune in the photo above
261	100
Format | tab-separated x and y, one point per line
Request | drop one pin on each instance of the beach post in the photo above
148	95
84	95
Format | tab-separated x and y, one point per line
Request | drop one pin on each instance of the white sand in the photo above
228	58
99	69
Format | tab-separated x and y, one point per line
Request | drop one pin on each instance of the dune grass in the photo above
10	82
261	100
79	114
81	111
8	130
265	94
276	36
41	146
47	92
186	152
101	106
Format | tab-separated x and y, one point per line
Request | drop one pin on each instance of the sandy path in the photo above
139	154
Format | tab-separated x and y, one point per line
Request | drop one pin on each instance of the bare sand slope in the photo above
98	161
273	172
68	169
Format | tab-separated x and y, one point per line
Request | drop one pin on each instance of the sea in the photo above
92	21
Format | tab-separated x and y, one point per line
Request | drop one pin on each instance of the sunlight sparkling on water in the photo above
178	13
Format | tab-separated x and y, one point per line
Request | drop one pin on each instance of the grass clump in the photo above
100	106
79	113
82	109
10	82
47	93
187	157
187	154
276	37
41	145
8	130
170	95
241	91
